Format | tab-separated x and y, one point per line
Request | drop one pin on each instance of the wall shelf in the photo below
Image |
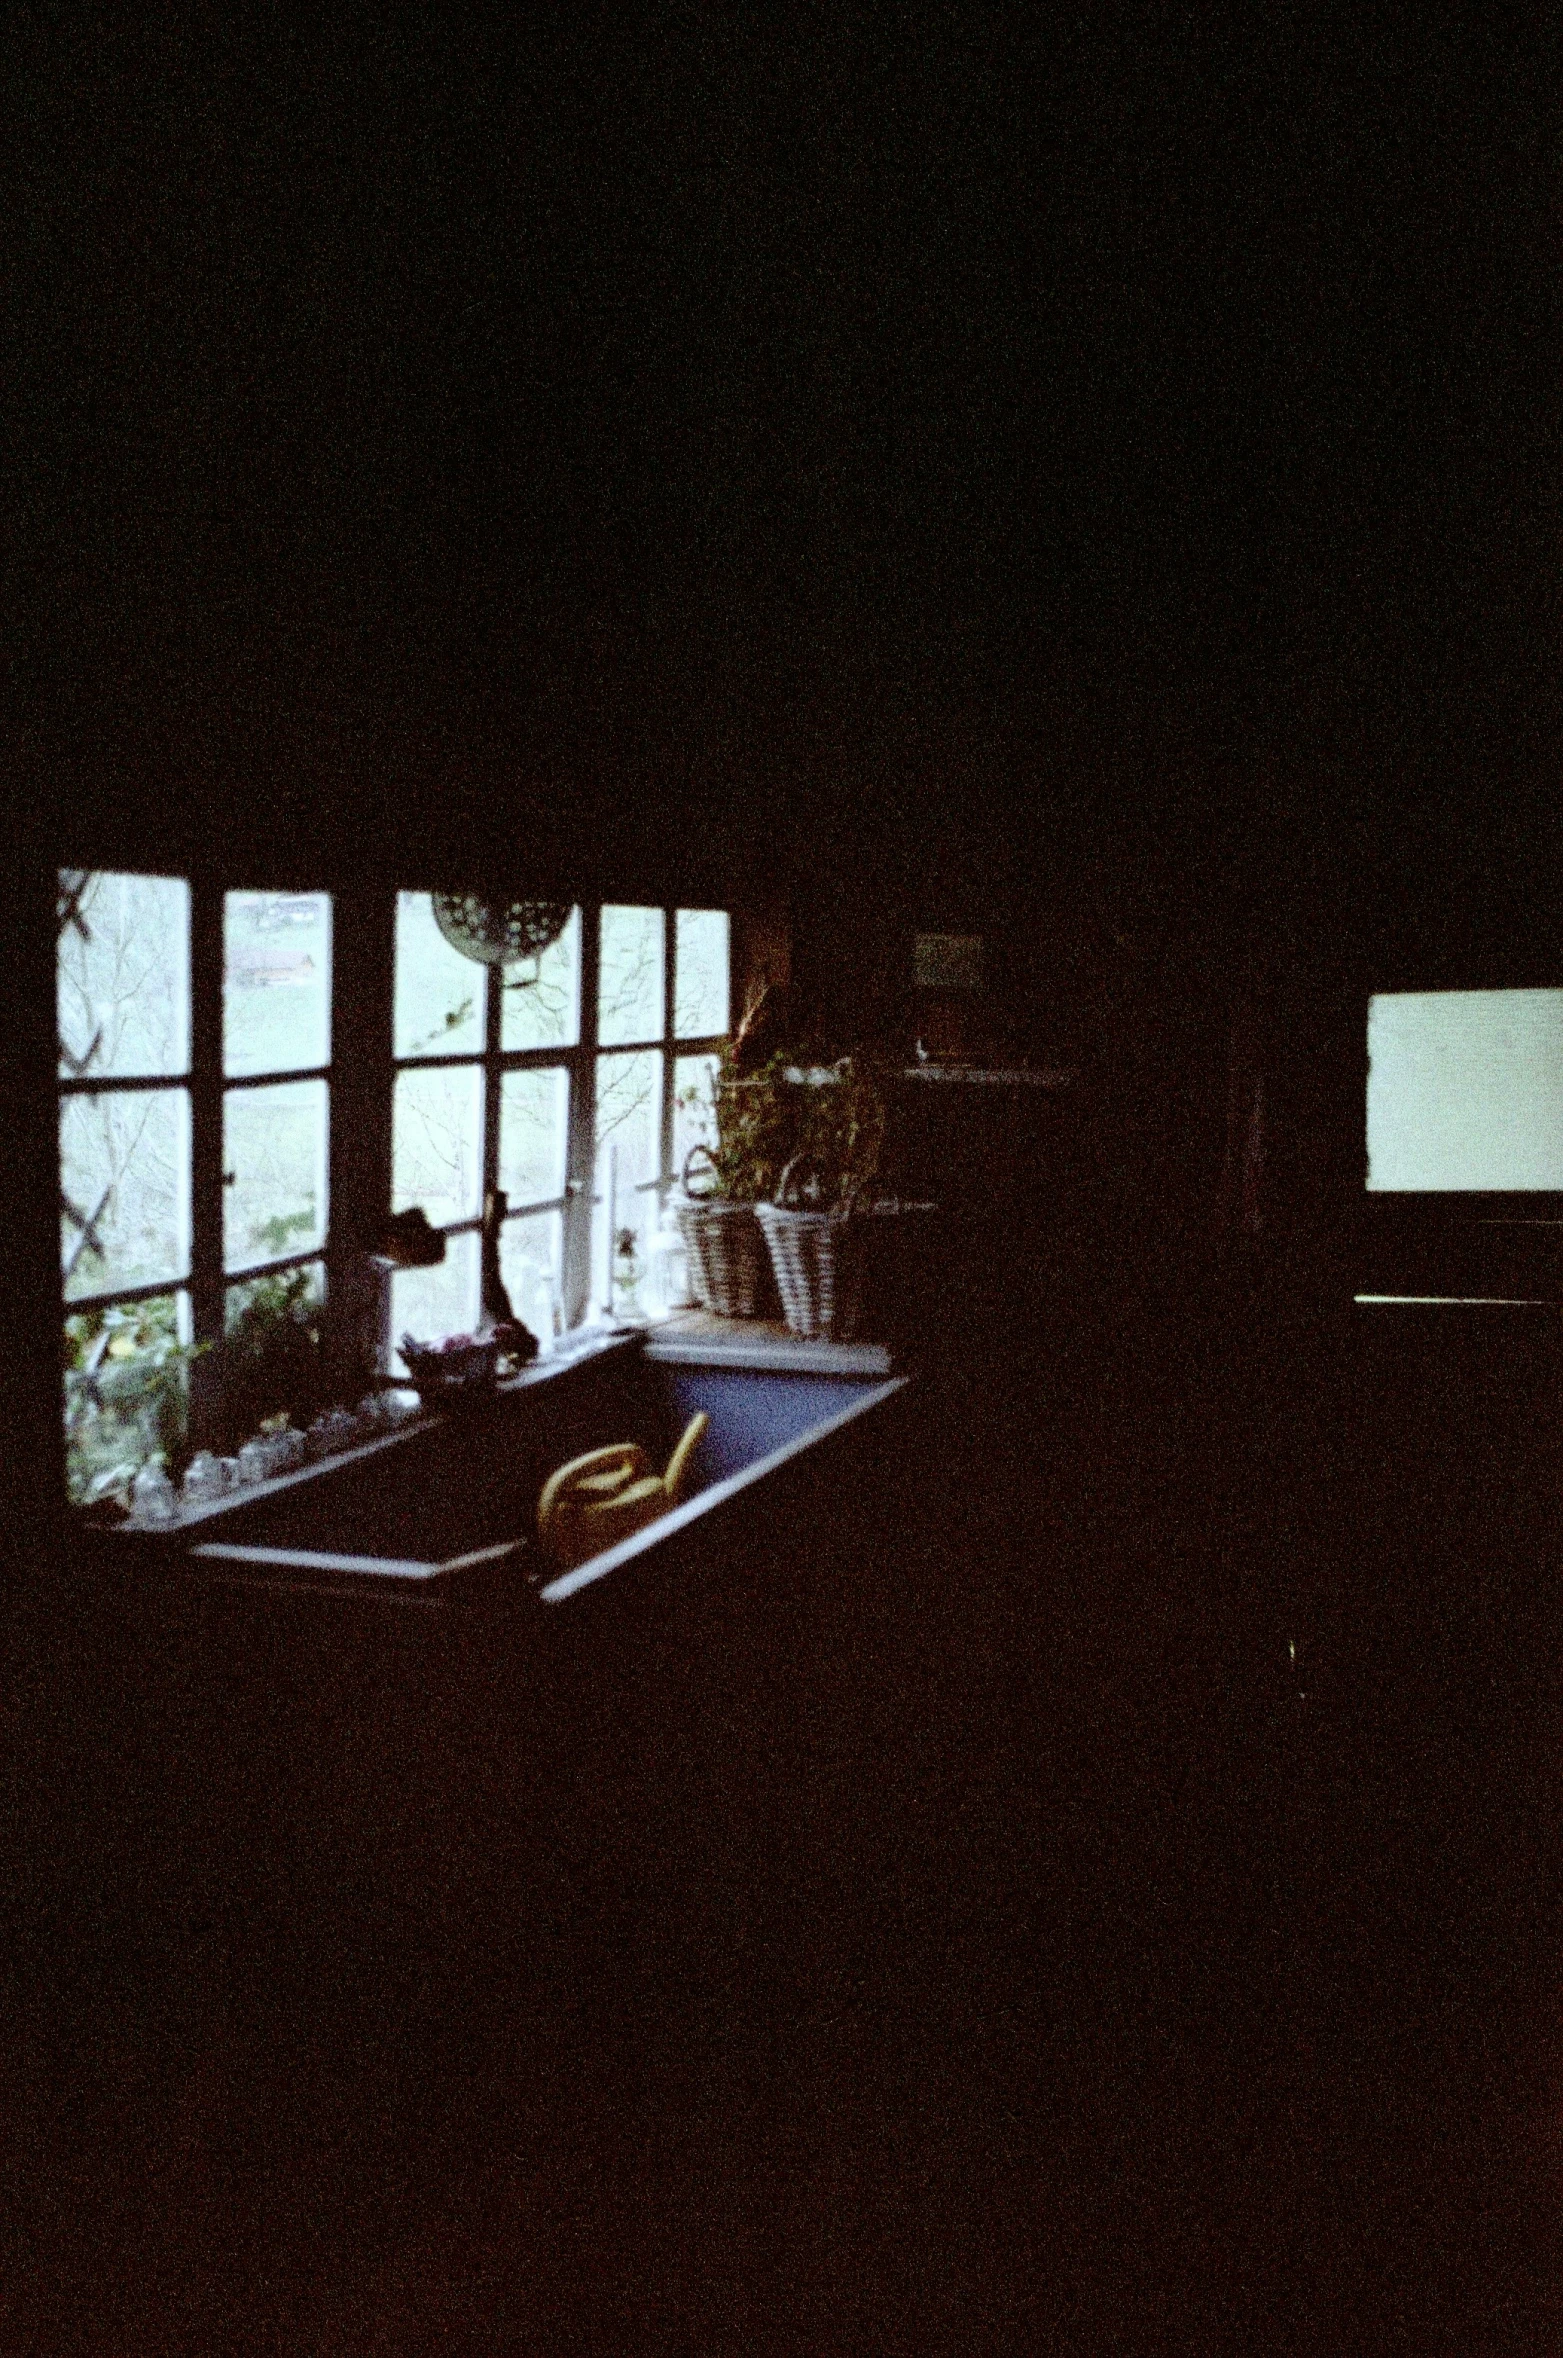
993	1077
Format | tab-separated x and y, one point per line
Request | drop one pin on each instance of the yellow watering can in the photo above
599	1499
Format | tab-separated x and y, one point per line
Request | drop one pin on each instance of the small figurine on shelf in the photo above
627	1274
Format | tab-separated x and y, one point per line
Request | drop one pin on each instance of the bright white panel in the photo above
1465	1090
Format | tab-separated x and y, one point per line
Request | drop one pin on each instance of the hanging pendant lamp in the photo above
499	933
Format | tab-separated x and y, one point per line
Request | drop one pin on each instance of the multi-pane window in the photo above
123	991
195	1039
663	994
196	1112
276	1105
573	1083
481	1101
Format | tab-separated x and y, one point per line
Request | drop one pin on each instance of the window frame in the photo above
200	1294
1445	1243
360	1075
577	1205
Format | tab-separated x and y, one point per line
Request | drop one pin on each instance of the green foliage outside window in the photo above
126	1394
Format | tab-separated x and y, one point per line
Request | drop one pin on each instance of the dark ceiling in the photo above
915	440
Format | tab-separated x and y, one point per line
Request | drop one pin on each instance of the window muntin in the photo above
498	1079
276	1020
123	1002
146	968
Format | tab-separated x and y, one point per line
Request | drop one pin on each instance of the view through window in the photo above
196	1062
1465	1091
153	1273
574	1083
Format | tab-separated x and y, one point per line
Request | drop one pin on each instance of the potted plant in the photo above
126	1397
814	1224
271	1360
754	1120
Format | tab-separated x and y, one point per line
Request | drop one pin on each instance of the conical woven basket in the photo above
728	1266
820	1259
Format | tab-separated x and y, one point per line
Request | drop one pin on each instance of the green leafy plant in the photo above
126	1376
278	1233
271	1355
840	1128
772	1109
756	1123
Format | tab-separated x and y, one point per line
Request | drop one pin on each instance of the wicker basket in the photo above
820	1258
728	1271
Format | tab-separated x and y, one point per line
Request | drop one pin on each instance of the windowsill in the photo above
591	1344
698	1338
1456	1301
1005	1076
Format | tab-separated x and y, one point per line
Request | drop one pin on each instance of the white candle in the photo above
613	1217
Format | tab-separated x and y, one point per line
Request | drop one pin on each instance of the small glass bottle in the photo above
255	1459
669	1278
627	1272
152	1498
204	1479
291	1450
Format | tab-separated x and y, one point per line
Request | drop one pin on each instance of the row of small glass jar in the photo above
154	1499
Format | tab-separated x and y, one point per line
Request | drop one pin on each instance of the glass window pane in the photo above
126	1391
274	1171
542	998
694	1106
629	991
441	1003
629	1126
430	1304
534	1117
530	1260
1465	1090
125	1176
700	973
437	1142
276	981
123	974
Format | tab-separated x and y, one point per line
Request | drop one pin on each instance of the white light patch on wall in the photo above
1465	1090
947	961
